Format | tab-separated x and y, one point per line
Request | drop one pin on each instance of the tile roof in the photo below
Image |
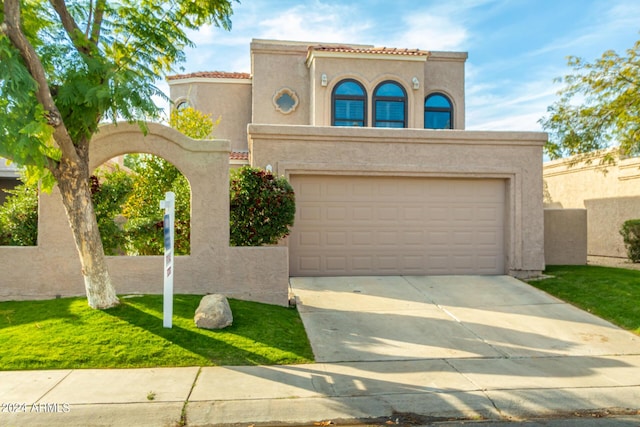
239	155
211	75
370	50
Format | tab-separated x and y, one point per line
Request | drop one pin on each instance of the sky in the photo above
516	48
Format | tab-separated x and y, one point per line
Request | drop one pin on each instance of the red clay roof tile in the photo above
238	155
370	50
211	75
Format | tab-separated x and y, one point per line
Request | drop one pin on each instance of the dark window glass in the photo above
438	112
349	104
390	106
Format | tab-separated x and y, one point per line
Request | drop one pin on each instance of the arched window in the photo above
390	106
438	112
349	101
181	105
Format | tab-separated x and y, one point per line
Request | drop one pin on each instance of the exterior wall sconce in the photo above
269	168
323	79
416	83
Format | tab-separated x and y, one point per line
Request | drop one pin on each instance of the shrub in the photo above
631	235
109	190
19	217
262	207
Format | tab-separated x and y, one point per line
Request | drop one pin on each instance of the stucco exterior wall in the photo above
512	156
370	71
610	193
444	73
277	65
229	100
565	236
53	268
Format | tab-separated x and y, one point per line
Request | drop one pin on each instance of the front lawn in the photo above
610	293
66	334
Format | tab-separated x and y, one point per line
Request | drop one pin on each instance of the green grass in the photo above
610	293
67	334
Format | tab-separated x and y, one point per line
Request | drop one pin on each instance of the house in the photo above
8	178
373	140
609	193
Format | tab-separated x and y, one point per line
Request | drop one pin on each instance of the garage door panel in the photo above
348	225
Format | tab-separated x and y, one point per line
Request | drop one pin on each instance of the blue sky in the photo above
516	47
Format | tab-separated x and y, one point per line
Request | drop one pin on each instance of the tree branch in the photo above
80	42
13	30
97	21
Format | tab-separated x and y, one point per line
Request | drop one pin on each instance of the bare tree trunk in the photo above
73	181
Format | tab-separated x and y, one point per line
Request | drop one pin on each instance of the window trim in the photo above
438	109
363	98
291	94
404	99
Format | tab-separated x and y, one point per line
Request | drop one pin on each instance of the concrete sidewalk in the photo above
413	350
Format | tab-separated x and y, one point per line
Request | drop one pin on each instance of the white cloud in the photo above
316	22
518	106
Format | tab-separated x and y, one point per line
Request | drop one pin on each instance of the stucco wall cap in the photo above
384	135
161	131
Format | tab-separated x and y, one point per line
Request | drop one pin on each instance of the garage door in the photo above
358	225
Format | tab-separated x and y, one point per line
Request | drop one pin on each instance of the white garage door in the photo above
365	225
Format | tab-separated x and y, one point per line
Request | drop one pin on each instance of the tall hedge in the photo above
631	235
19	217
262	207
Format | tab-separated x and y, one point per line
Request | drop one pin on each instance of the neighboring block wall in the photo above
53	268
611	195
565	236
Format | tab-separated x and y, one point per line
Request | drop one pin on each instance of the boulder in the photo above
213	312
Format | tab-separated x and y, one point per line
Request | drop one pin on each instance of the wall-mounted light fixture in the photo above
269	168
416	83
323	79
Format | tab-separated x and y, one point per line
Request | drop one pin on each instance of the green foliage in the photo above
193	123
101	65
599	106
19	217
109	190
631	235
155	176
262	207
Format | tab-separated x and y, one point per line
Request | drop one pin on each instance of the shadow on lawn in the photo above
217	347
13	313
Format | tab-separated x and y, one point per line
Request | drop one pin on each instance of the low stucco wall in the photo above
610	193
606	217
53	268
565	236
515	157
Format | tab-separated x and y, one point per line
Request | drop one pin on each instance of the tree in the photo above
153	177
193	123
68	65
599	106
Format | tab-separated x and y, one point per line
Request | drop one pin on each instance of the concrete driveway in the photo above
352	319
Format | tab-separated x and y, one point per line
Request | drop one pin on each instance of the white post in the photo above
168	204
